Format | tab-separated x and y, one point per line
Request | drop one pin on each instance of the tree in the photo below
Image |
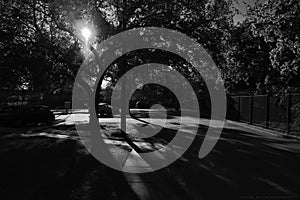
208	22
37	55
265	52
278	23
248	65
44	35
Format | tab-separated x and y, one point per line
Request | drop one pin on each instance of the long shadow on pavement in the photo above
242	165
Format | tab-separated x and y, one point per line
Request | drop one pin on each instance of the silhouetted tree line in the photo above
40	50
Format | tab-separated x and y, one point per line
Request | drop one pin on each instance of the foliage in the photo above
39	38
41	48
36	54
265	53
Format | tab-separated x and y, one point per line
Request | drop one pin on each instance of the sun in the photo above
86	33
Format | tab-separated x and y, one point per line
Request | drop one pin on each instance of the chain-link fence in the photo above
267	111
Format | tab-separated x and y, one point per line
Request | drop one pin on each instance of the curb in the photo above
264	130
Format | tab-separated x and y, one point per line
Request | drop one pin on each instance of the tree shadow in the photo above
41	167
241	165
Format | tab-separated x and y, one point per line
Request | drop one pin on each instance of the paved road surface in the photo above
51	163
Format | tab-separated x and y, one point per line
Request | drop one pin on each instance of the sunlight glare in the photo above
86	33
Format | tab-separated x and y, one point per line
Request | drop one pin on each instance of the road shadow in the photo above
242	165
41	167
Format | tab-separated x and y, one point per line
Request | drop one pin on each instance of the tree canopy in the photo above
40	43
264	51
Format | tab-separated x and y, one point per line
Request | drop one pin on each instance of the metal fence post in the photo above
239	109
288	117
267	110
251	109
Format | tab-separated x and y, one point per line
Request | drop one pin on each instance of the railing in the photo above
267	111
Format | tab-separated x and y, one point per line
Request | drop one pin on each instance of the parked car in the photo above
105	110
25	115
142	105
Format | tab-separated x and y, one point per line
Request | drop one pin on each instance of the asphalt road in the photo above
51	163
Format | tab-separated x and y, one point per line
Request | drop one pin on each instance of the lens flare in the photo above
86	33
